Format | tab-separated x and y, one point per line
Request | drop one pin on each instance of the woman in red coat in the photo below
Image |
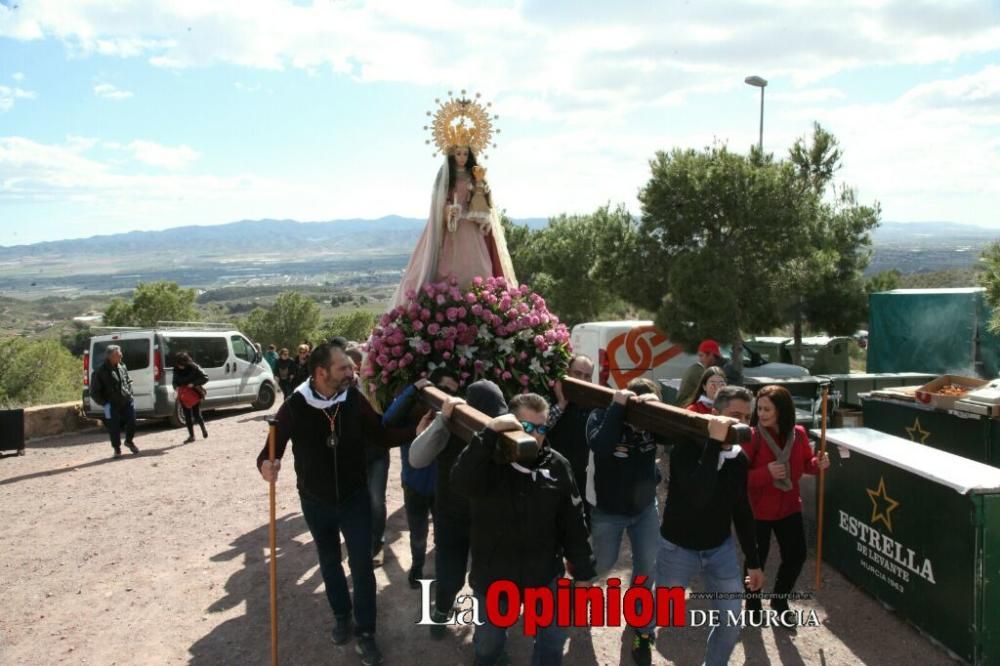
779	454
711	381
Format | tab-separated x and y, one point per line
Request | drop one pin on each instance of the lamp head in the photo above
755	81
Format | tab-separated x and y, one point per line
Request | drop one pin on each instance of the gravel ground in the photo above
161	559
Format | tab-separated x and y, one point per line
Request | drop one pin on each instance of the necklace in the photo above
331	439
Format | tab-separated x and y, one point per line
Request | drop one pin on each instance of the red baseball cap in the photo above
710	347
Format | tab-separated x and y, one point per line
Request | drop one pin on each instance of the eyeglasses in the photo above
530	427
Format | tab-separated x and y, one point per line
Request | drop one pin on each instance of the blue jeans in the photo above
720	571
606	530
489	640
121	417
352	518
378	479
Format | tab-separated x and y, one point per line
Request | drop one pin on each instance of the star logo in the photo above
915	430
879	499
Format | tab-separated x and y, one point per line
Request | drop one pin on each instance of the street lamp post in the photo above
758	82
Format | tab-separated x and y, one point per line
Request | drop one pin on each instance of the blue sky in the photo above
125	115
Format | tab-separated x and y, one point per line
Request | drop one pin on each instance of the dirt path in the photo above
160	559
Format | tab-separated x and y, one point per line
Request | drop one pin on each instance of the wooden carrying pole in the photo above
272	538
656	417
819	496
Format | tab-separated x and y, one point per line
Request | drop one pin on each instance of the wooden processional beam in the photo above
656	417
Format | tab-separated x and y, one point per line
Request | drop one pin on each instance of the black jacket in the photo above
705	502
568	436
189	374
112	385
325	474
624	474
523	524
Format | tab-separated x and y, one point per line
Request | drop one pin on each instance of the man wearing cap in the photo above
709	354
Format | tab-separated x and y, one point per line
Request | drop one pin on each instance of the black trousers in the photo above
451	557
192	415
791	536
419	510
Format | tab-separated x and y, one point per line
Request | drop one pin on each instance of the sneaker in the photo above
439	631
132	447
641	651
343	630
370	654
414	578
118	452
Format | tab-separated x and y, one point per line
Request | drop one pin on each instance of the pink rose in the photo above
446	355
534	320
462	361
392	366
425	314
418	325
477	310
539	341
439	316
397	351
524	356
525	380
470	298
434	328
462	312
452	314
478	281
506	375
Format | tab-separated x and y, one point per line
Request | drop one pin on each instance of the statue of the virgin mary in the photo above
463	238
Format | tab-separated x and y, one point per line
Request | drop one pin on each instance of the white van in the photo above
624	350
237	374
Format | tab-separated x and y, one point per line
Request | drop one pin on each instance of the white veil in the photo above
424	260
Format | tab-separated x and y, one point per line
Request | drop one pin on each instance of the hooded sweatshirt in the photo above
437	443
525	520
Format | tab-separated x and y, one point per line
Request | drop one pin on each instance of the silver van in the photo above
237	375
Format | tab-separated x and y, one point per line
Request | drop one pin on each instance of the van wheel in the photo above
265	397
176	418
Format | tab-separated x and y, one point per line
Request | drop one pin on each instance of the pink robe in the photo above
465	253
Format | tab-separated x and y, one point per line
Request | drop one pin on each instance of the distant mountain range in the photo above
355	250
389	233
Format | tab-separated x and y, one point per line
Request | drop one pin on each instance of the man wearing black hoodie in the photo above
329	422
526	517
451	509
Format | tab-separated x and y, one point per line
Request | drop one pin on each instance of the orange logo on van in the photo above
639	345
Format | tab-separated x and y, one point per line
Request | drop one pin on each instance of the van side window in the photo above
242	348
135	353
208	352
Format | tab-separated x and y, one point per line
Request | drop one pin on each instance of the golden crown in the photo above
461	121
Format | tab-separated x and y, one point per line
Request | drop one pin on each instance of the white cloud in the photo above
158	155
108	91
627	54
17	76
9	95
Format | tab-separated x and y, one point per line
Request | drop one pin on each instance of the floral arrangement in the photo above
489	331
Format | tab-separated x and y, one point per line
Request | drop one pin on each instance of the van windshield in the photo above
207	351
135	353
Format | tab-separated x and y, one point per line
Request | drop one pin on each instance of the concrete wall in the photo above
47	420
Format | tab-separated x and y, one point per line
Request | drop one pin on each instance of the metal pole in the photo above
760	143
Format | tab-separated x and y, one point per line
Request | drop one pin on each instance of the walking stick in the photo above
272	538
822	478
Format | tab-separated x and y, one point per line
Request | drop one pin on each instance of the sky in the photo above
121	115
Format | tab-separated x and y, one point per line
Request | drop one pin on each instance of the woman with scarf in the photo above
189	380
779	453
713	379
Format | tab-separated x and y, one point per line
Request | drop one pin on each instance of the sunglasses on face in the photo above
530	428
